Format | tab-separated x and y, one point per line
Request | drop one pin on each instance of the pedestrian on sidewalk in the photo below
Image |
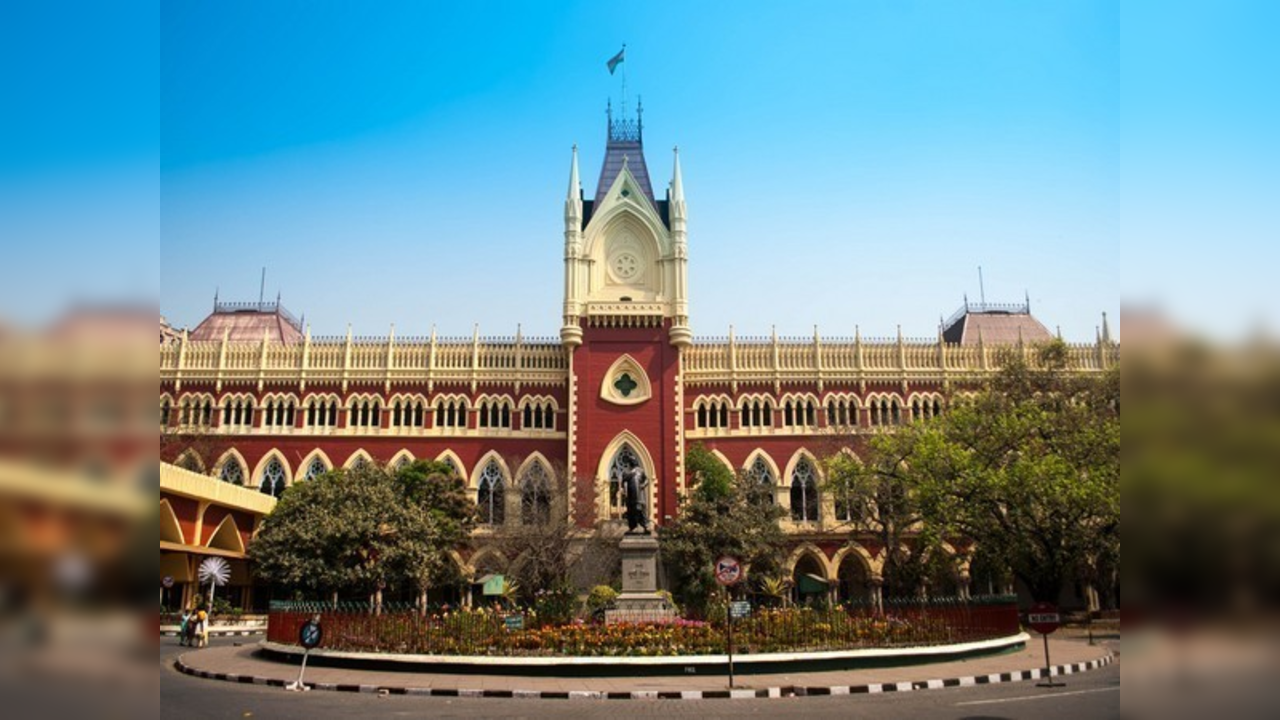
202	629
184	636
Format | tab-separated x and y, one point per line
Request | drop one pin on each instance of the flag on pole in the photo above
617	59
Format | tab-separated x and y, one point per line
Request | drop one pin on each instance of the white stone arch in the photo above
439	400
768	461
784	490
808	548
194	455
321	397
262	464
626	364
280	396
871	565
474	481
227	536
803	454
534	458
487	551
723	461
449	455
407	397
927	398
626	437
355	457
625	226
839	396
395	459
354	398
170	528
537	400
230	454
305	465
875	398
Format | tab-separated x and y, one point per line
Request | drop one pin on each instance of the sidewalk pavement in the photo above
218	630
241	664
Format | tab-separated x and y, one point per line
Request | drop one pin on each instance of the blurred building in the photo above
251	398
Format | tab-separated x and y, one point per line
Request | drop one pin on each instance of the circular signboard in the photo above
310	634
728	570
1044	618
167	581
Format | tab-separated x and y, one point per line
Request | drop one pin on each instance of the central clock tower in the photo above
625	326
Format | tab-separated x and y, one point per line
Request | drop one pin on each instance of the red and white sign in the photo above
728	570
1044	618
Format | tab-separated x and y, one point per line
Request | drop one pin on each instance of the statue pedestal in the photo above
639	601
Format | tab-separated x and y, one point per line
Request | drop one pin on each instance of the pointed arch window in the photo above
453	467
491	496
804	492
272	482
315	468
760	473
535	496
623	460
232	472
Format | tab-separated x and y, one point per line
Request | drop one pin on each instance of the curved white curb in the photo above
773	692
675	661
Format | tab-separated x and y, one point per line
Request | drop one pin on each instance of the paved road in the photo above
1094	694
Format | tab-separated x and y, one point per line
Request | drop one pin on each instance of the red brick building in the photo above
258	401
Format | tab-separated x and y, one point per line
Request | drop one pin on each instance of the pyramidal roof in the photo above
625	147
994	324
248	322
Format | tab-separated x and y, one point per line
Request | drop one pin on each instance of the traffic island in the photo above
248	665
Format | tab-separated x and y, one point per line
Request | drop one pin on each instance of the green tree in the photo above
879	499
725	515
1029	469
363	530
443	516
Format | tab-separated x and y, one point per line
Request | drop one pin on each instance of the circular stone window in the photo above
626	265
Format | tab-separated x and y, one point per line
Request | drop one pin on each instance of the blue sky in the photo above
847	163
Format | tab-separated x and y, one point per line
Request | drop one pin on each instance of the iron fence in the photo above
404	629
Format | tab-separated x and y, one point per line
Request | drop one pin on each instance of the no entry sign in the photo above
728	570
1044	618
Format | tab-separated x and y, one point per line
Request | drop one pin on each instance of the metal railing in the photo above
403	629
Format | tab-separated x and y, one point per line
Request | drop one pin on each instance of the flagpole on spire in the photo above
620	59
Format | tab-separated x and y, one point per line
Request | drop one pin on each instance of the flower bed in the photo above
486	632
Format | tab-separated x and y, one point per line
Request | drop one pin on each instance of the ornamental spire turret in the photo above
573	200
676	197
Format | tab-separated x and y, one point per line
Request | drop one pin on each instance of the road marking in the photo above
1045	696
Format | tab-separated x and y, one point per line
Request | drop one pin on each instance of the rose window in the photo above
626	265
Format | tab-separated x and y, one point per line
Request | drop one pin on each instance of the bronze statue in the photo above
633	480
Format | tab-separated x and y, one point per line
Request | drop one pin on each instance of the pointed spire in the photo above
677	183
575	185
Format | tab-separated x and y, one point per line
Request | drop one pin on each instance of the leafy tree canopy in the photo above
726	515
1028	469
364	529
